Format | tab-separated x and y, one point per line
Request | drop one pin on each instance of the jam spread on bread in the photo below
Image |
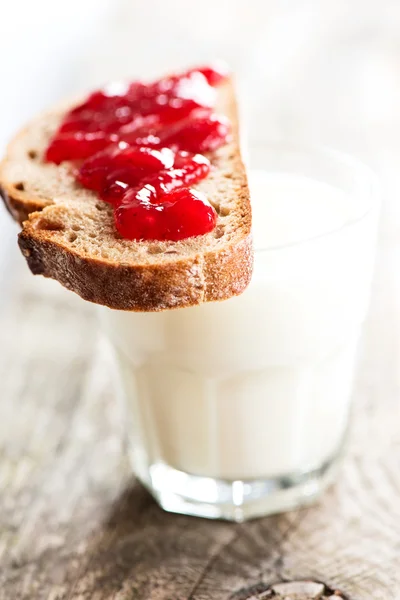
141	146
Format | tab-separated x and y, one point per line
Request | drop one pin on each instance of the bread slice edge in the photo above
181	282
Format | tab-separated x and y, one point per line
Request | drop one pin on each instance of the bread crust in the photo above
179	282
19	206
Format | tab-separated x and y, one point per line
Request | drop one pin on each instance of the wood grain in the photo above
74	524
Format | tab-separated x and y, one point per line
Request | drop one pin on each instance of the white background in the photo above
318	70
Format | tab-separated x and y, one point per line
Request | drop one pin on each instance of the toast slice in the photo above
68	232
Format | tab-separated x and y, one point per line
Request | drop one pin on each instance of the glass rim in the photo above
367	182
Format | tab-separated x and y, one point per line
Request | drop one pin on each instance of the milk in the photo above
257	386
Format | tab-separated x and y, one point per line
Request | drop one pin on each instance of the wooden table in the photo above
75	525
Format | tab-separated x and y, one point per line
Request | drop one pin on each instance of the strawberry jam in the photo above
140	146
177	215
124	163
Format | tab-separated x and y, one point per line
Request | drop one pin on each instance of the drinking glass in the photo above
240	408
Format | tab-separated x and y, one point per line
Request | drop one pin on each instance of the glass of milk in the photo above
240	408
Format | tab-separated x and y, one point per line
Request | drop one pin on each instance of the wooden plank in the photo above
75	526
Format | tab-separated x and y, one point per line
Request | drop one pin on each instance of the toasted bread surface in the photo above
68	232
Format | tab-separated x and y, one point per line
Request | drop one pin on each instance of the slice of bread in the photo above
68	232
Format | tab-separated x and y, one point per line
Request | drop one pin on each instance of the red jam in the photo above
176	215
140	146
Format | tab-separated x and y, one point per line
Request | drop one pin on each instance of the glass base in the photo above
183	493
